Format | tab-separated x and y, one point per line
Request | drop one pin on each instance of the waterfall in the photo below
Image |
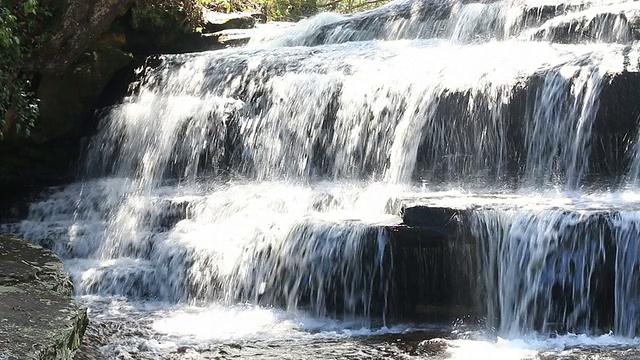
542	269
266	176
235	112
626	234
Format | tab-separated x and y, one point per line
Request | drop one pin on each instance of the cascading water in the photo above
251	187
541	267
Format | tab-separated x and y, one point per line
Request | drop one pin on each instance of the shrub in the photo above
291	10
159	16
18	104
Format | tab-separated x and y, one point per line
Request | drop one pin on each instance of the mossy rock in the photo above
68	100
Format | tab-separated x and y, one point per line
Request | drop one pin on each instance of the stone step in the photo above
486	269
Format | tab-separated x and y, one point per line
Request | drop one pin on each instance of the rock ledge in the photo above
38	317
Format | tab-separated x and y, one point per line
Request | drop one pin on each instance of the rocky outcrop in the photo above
213	34
68	100
80	24
38	317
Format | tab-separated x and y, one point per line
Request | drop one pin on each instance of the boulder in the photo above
40	320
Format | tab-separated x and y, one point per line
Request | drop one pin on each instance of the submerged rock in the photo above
38	317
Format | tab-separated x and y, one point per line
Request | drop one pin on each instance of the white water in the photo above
472	22
247	190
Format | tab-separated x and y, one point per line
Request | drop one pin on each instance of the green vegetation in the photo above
291	10
166	15
18	104
349	6
159	16
26	26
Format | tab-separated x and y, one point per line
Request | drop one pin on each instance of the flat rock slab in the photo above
215	21
239	37
38	317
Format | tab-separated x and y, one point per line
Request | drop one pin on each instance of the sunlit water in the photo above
236	203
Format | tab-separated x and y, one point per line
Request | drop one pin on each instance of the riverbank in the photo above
38	317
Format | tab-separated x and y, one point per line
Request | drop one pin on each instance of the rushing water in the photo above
237	203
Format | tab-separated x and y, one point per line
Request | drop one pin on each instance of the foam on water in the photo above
258	242
247	322
534	347
162	329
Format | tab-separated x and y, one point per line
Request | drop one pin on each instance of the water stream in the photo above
236	202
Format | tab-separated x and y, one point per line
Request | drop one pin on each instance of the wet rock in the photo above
607	148
215	21
442	276
429	279
218	31
616	122
25	170
168	213
241	36
38	318
439	217
604	27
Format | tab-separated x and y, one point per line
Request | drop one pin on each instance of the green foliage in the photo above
158	16
228	6
18	104
291	10
349	6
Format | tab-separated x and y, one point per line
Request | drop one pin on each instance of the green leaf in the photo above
30	6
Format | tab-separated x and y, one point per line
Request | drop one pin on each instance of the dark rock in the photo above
260	18
616	125
29	168
145	44
442	276
438	217
68	100
429	278
608	146
215	22
536	15
79	24
167	213
606	27
39	318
